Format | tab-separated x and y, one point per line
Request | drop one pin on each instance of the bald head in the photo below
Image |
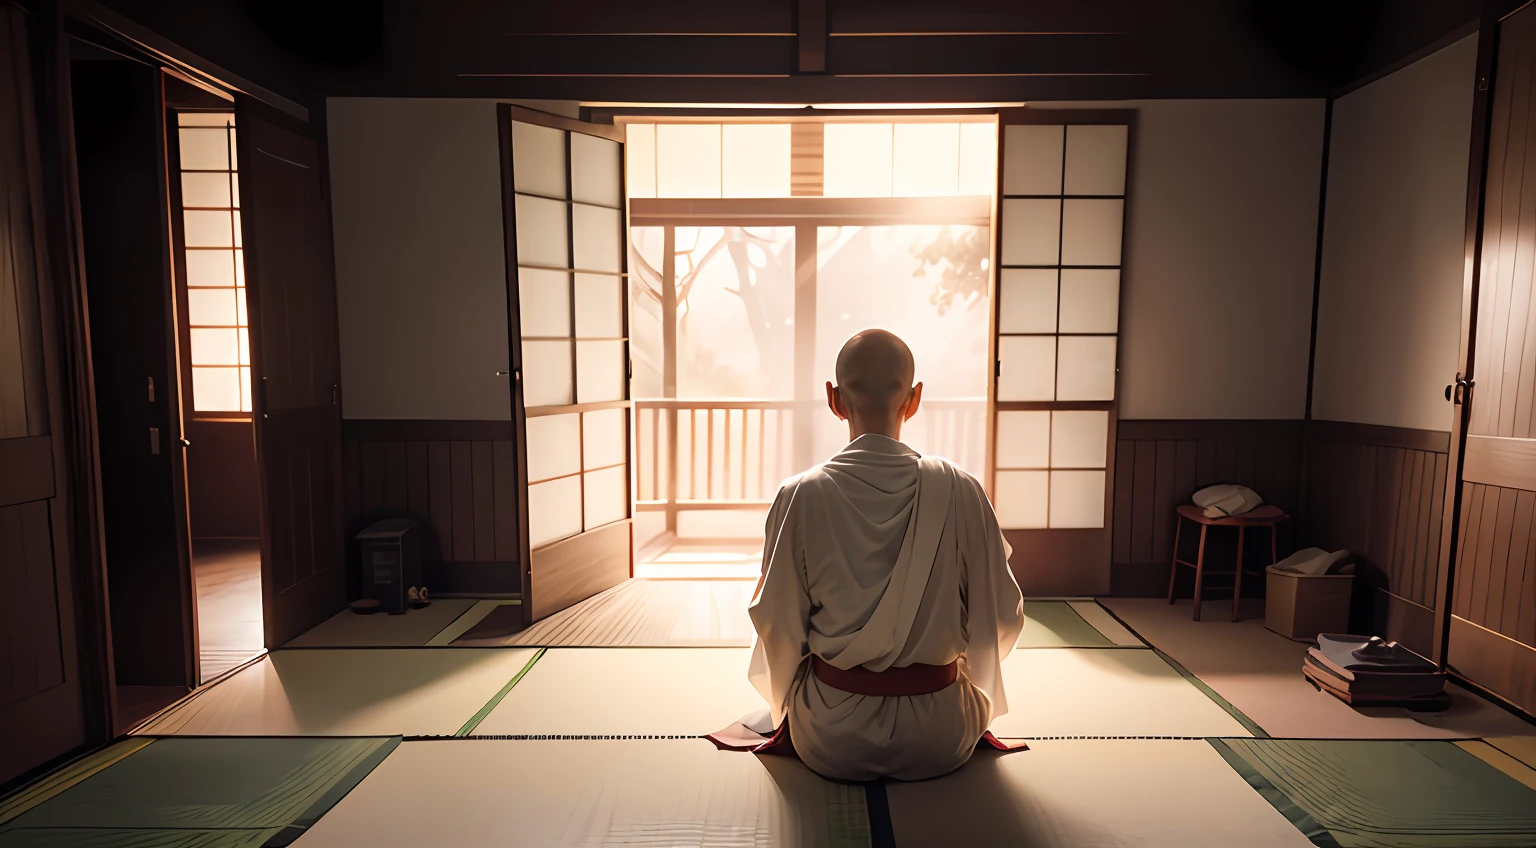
874	375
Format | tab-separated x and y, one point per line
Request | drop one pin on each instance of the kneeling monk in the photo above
886	605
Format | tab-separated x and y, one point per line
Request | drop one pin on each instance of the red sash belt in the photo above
915	679
891	683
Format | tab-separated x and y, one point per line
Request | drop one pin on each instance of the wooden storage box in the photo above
1300	606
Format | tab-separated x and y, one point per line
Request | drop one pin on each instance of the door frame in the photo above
74	510
805	215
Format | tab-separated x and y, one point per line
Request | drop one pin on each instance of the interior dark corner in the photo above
376	374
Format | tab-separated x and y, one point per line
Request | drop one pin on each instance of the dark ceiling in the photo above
748	50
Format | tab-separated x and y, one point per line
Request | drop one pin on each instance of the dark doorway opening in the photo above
119	153
170	365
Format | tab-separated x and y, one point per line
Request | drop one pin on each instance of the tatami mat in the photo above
52	785
1500	760
359	692
1055	624
1088	692
202	792
1071	624
1105	623
79	837
410	629
1377	793
627	691
463	623
1259	673
1076	793
639	613
589	793
1522	748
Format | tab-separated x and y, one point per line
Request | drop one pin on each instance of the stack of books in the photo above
1365	671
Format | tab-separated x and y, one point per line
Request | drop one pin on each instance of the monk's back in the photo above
855	513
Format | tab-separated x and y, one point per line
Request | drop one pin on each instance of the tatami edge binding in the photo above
877	805
334	795
474	721
1299	819
1248	724
433	641
68	776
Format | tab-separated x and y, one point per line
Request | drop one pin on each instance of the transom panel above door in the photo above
563	187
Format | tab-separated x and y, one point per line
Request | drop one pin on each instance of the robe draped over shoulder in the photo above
882	558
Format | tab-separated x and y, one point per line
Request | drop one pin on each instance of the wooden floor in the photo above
681	559
136	703
227	574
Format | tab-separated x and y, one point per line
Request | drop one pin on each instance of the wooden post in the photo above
669	365
806	384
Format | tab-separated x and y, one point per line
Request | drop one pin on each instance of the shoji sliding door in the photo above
564	197
1061	210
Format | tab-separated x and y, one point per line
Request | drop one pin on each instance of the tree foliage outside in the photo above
961	260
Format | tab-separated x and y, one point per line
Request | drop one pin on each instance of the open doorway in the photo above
170	365
757	248
213	341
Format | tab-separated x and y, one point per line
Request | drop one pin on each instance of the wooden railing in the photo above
713	454
713	450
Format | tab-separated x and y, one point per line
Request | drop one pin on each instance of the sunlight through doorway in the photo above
756	250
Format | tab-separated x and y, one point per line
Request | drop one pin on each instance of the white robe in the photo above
880	558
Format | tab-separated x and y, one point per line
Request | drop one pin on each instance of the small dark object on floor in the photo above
390	552
1367	671
365	606
1429	704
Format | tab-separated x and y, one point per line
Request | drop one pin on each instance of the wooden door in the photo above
1488	599
563	194
291	293
41	692
119	151
1060	214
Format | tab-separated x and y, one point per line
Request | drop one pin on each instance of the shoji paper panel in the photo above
1058	282
554	446
1033	159
538	160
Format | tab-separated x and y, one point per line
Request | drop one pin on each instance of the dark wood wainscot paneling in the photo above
1380	492
1160	464
456	478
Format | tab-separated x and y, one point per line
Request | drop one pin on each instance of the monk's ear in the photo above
913	401
835	403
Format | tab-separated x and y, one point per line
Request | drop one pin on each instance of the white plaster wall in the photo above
1389	314
420	258
1220	250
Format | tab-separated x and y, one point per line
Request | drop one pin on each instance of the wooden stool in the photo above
1263	516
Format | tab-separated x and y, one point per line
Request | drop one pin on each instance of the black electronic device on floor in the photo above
391	565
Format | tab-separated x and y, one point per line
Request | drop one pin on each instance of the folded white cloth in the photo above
1224	500
1312	561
